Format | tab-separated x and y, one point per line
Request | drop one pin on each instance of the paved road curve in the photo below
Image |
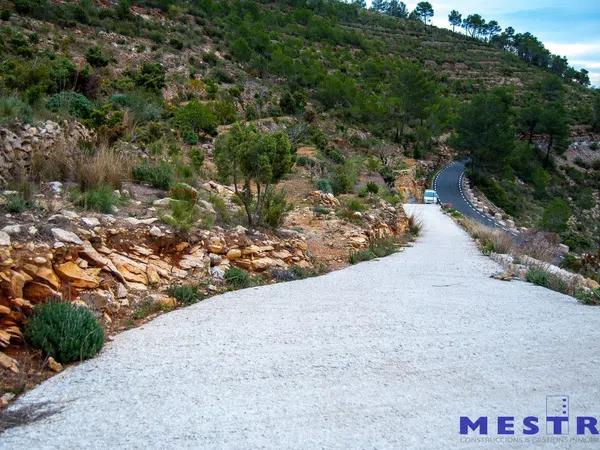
448	185
384	354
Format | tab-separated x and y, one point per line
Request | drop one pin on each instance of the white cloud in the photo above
573	50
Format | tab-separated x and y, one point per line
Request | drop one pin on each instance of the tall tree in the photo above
412	92
424	11
553	123
254	162
380	6
397	9
484	130
455	19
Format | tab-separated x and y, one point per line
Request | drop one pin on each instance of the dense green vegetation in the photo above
67	333
164	80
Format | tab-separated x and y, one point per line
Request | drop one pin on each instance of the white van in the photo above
430	196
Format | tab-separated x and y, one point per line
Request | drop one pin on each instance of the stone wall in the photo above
19	143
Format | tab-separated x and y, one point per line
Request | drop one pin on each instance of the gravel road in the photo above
384	354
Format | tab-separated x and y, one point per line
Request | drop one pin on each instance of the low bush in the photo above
196	157
275	209
355	205
345	178
195	117
360	256
65	332
372	188
96	57
184	192
147	307
184	215
17	203
102	199
159	175
12	109
237	278
588	296
72	103
556	216
542	277
384	246
186	294
325	186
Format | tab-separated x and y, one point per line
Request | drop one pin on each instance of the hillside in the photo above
157	152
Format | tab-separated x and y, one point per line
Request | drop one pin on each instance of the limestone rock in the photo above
12	229
67	237
4	239
38	292
234	254
98	299
54	365
8	363
90	221
78	277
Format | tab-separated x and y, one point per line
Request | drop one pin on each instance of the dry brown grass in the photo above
491	240
536	244
104	167
57	166
89	168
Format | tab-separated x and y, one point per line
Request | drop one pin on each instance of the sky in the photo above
567	28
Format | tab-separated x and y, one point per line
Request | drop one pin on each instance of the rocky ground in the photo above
120	265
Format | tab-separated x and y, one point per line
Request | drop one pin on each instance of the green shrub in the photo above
197	157
585	199
65	332
541	277
159	175
344	178
355	205
292	103
321	210
220	207
383	246
237	278
186	294
96	57
101	199
556	215
12	109
372	187
184	215
17	203
537	276
360	256
275	209
195	117
151	77
588	296
184	192
72	103
325	186
224	112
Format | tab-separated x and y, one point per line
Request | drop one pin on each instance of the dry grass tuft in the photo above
104	167
491	240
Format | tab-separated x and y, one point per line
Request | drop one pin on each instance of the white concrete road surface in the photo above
384	354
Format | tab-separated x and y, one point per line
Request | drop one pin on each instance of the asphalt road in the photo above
448	185
385	354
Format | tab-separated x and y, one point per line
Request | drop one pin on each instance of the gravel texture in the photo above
384	354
